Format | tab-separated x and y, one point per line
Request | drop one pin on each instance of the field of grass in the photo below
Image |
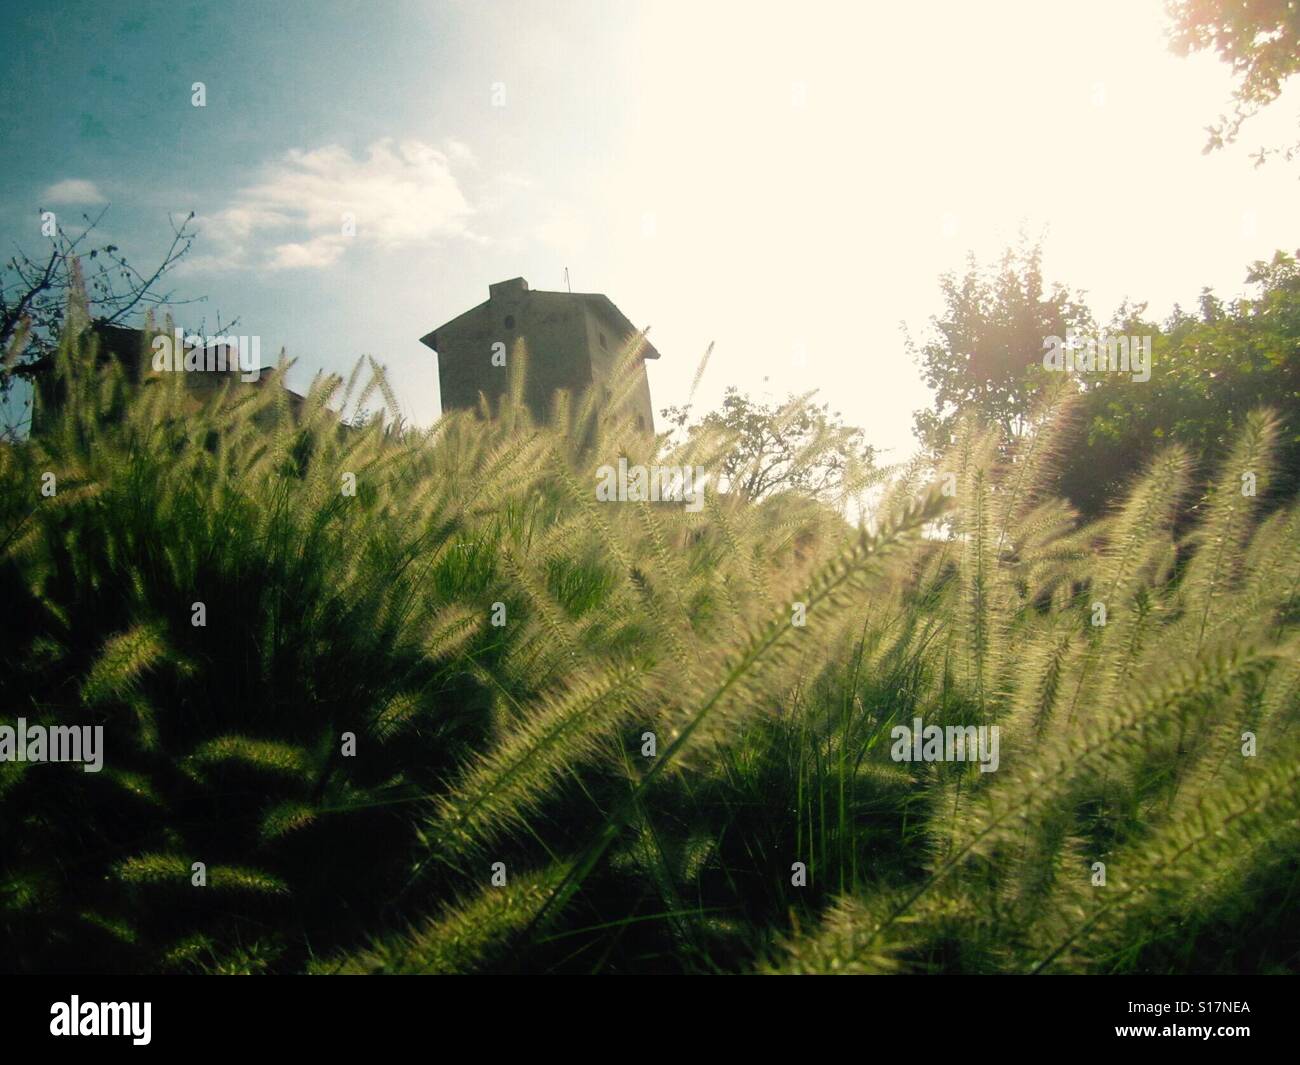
471	719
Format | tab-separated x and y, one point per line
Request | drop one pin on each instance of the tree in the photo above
35	292
1261	41
1210	369
986	354
798	445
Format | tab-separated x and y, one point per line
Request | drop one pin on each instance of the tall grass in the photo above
378	778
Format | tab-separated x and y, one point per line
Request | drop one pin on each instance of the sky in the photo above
787	181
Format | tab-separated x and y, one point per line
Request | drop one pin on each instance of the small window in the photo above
604	344
510	321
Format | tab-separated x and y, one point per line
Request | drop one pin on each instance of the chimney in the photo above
510	290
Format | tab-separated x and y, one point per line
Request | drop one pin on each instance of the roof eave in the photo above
648	350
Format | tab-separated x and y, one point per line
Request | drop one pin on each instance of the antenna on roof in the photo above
566	280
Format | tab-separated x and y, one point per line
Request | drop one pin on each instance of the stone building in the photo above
573	339
132	349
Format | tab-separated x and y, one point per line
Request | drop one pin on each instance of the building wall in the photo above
606	345
132	348
554	330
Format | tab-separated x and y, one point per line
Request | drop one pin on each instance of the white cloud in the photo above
311	254
73	192
296	215
460	153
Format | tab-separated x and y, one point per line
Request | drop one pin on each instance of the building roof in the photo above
596	302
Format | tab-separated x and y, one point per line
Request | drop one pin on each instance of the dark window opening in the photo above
604	345
510	321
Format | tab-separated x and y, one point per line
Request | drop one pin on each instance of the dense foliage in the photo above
501	806
1208	370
